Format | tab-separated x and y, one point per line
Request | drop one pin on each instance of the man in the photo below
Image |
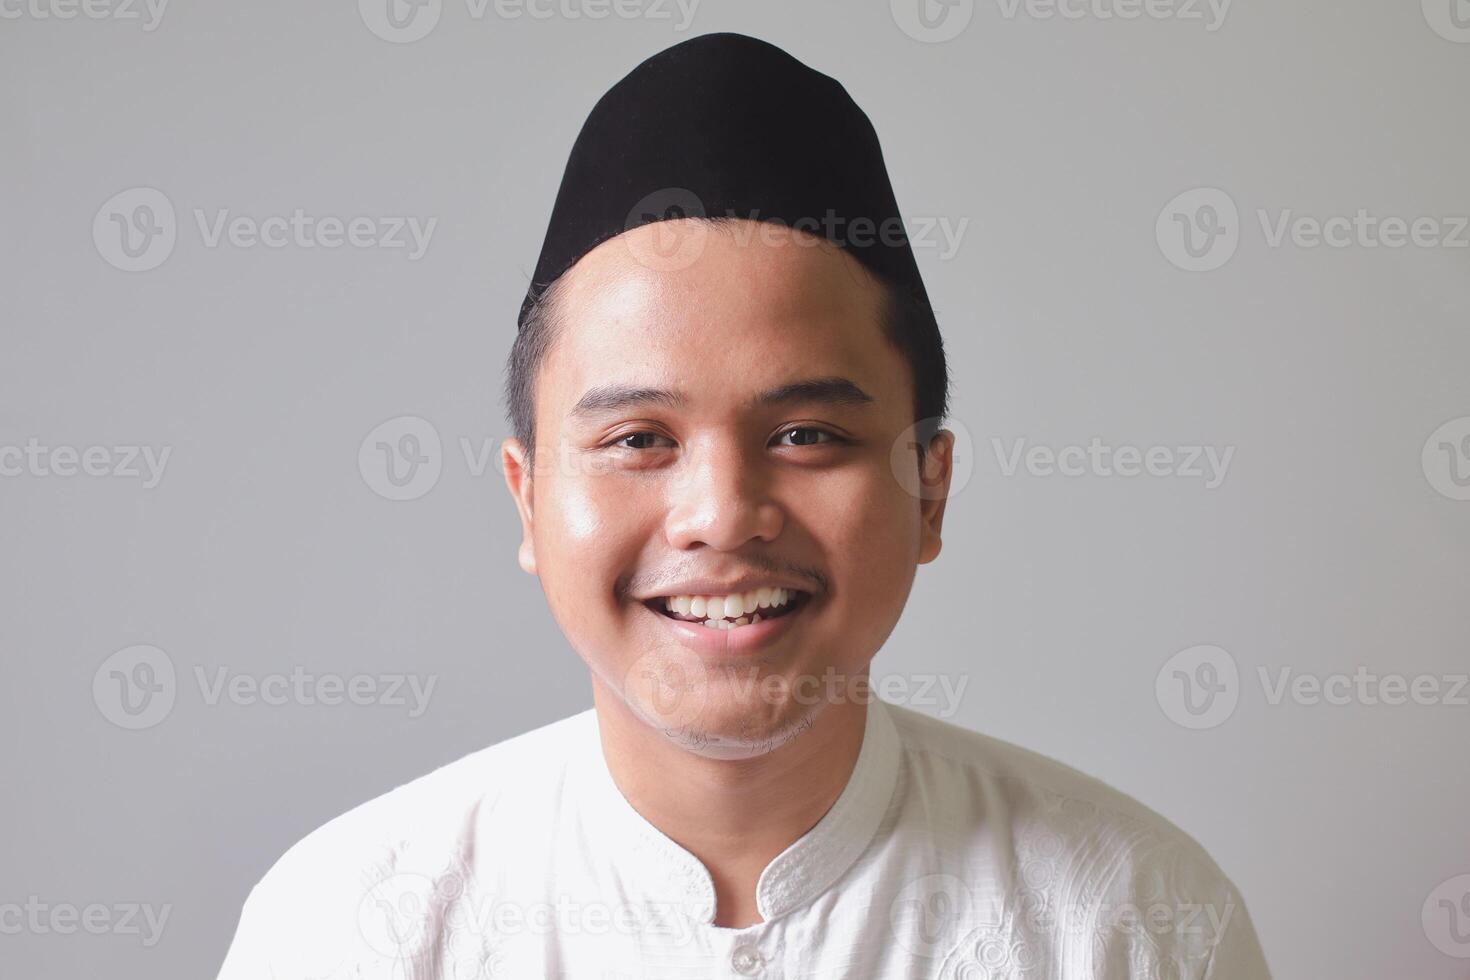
727	463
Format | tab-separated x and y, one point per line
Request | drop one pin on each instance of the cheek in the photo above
870	536
578	514
586	536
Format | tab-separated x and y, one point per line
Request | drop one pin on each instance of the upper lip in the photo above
746	583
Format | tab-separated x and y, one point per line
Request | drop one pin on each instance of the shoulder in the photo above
433	811
323	898
990	779
1045	842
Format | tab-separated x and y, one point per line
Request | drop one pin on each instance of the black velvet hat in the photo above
728	125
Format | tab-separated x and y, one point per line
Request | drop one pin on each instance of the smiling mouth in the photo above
698	612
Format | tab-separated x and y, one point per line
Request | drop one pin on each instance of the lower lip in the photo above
740	641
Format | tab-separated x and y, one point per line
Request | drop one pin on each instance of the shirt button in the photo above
746	960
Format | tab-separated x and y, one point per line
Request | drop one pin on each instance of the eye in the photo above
808	429
620	441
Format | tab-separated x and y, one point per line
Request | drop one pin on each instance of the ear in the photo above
518	481
934	477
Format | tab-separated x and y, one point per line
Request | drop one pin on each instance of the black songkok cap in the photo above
728	125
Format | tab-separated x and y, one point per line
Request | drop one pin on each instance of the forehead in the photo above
758	307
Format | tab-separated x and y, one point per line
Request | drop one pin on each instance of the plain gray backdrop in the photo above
1075	147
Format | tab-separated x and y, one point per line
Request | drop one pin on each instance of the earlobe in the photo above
934	480
518	482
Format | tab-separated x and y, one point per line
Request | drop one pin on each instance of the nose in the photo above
720	498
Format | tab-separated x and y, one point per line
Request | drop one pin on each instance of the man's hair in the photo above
908	324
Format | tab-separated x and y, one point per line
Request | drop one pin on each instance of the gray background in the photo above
265	548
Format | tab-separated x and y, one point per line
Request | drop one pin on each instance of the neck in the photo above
734	815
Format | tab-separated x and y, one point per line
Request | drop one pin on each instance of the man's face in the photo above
632	501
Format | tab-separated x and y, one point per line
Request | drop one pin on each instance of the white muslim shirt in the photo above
949	854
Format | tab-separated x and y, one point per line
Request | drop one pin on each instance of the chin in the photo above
737	723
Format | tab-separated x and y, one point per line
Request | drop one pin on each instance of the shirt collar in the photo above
666	872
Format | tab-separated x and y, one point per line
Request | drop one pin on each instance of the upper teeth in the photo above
732	606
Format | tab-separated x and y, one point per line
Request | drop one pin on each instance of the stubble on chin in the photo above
745	739
725	711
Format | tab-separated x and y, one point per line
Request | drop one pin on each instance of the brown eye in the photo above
810	432
621	441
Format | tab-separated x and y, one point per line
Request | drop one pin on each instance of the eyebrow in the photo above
613	397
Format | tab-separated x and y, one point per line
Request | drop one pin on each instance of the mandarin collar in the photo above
666	872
